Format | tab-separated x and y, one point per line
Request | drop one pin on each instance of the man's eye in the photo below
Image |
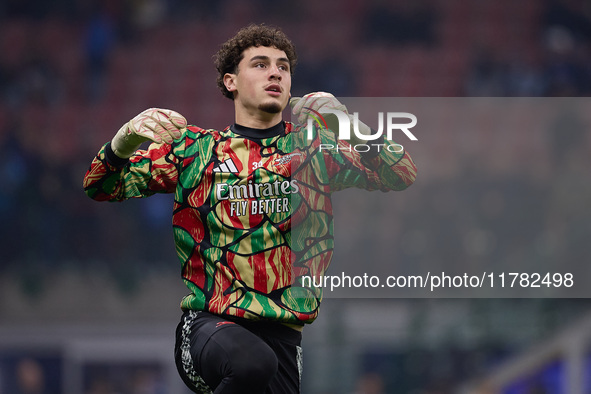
283	68
260	65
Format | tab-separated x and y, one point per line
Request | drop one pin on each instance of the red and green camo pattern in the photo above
251	216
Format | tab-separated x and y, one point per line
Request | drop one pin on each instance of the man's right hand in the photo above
324	103
154	124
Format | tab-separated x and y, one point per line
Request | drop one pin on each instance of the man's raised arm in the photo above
111	178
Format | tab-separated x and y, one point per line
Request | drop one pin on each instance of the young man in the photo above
240	195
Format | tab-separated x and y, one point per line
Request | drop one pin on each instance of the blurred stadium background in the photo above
89	292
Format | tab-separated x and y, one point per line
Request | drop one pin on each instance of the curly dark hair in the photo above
232	51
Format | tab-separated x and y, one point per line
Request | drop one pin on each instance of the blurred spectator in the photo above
572	15
525	76
40	79
400	23
34	80
328	73
100	385
27	75
486	77
566	71
30	377
370	383
99	42
147	381
14	169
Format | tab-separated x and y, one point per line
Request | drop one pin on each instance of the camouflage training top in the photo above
252	210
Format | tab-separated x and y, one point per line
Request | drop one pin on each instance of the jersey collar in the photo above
251	133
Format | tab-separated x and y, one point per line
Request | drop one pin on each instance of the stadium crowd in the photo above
72	71
64	90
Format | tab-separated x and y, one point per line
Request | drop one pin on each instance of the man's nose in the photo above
274	72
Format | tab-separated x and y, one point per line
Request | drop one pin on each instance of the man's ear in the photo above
230	82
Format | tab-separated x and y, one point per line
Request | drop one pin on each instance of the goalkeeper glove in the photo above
322	103
154	124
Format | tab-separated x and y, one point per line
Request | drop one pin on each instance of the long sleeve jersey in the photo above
252	211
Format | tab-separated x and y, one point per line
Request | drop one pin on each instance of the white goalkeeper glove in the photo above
154	124
322	102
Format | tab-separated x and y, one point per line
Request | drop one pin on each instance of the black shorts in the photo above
218	355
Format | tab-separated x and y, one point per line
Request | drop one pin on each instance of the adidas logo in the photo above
227	166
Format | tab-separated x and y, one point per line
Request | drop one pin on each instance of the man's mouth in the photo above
274	90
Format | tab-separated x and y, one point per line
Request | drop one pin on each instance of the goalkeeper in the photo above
239	193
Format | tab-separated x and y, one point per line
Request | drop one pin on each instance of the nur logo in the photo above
344	126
